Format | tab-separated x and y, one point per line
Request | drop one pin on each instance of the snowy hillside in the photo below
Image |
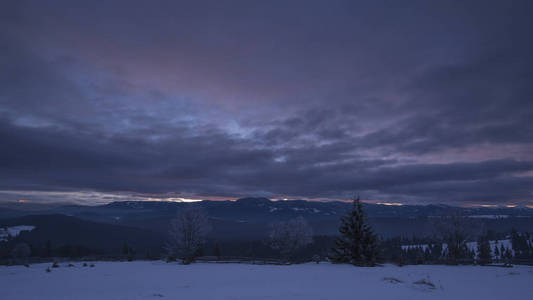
158	280
13	231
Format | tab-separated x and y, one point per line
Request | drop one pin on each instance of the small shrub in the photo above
55	265
48	270
316	258
399	263
70	265
91	265
130	258
398	260
27	265
85	264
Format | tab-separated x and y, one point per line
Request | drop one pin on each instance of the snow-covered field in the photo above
159	280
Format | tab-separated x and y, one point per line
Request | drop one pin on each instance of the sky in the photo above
415	102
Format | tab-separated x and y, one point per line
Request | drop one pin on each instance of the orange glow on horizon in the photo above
390	203
174	200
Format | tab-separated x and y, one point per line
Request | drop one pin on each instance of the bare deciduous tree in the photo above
455	231
289	236
187	233
21	250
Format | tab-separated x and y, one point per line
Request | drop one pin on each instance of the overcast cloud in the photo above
400	101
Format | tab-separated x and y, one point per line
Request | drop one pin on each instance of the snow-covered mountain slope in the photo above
13	231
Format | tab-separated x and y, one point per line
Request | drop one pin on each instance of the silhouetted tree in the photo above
484	251
436	252
21	251
218	252
187	233
48	249
289	236
508	255
520	244
357	244
455	231
496	251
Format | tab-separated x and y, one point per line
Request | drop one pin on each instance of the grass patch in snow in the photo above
392	280
425	282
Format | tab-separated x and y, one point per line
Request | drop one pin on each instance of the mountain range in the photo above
243	219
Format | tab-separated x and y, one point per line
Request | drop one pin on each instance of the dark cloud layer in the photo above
416	102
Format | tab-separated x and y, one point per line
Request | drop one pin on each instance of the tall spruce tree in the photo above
484	252
357	244
496	252
218	252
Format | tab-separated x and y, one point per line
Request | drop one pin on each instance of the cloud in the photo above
419	102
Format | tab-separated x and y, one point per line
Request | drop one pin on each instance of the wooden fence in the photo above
241	260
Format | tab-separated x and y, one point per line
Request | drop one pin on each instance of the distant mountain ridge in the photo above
250	218
256	207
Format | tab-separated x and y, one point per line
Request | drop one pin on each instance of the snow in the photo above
314	210
13	231
422	246
489	216
471	246
154	280
493	244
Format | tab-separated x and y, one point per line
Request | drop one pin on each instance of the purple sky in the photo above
399	101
